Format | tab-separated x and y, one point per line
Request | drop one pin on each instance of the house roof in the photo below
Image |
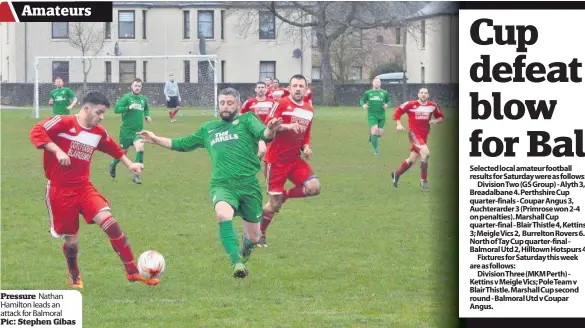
436	8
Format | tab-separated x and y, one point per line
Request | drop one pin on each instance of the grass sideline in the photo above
361	254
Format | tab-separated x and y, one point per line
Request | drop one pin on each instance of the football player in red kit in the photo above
68	143
421	114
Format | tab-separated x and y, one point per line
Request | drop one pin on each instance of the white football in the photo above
151	264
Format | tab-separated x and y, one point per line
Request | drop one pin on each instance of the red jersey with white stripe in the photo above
278	93
77	142
286	145
419	115
259	107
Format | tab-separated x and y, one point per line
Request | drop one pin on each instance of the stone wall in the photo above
193	94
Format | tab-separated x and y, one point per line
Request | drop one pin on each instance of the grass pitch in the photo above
361	254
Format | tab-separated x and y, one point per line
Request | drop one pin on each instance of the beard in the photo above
228	117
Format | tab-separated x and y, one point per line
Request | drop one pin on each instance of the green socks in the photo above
115	162
374	141
139	157
229	240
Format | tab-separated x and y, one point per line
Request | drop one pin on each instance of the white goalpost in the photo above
112	75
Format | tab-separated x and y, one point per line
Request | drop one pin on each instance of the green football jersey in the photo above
376	100
132	119
62	98
232	147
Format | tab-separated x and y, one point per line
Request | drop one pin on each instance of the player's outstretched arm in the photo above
122	106
183	144
272	128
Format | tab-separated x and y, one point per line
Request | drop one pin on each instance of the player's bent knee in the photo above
252	231
101	216
274	203
224	211
71	240
139	146
380	132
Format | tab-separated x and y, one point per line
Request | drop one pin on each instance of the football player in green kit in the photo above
134	109
232	145
63	99
376	101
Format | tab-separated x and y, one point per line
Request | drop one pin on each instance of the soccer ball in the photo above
151	264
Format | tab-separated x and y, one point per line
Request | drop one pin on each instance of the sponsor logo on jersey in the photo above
224	136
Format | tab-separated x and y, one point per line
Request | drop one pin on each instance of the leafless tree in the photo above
330	20
89	39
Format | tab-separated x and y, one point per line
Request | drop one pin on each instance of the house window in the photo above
223	24
422	33
267	69
61	69
223	71
127	71
398	35
186	24
144	25
144	70
187	70
126	24
422	74
205	24
108	31
314	40
355	73
109	71
60	30
267	28
316	73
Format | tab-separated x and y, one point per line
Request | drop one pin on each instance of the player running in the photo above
69	142
232	144
134	109
63	99
276	92
376	101
261	106
419	120
283	159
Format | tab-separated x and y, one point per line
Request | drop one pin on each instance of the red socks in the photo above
423	170
70	252
403	167
266	219
120	243
295	192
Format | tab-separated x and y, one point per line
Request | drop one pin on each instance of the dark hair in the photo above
58	78
298	77
95	98
268	77
137	80
230	92
260	82
275	79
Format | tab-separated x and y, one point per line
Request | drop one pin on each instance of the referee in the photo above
173	97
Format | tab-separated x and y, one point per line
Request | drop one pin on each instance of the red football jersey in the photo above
419	115
287	144
260	107
278	93
77	142
309	95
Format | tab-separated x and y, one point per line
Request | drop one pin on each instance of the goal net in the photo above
196	76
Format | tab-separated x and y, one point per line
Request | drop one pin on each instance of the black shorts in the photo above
173	102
